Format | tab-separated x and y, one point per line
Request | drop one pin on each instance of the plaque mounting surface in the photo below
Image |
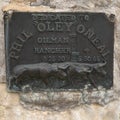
59	51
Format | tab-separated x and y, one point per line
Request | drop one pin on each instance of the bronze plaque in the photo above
60	51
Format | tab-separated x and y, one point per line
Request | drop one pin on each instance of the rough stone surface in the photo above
65	100
10	108
2	62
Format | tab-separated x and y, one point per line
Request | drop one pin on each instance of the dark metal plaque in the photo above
59	50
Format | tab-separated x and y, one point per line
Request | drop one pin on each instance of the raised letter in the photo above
12	55
41	27
49	28
81	28
59	26
68	25
101	48
105	54
89	33
16	46
26	35
39	40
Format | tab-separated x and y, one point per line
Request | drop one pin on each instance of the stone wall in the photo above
10	107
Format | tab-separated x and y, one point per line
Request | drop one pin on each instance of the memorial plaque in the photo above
60	51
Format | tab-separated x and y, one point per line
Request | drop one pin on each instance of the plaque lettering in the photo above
18	44
52	50
92	37
53	40
57	26
59	51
